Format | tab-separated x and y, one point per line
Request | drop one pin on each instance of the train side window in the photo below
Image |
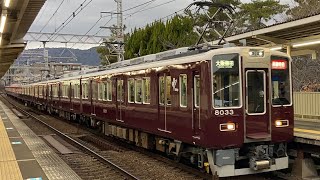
165	90
40	91
161	90
109	90
197	91
120	90
84	90
183	90
101	91
131	90
36	91
77	91
146	90
138	91
168	89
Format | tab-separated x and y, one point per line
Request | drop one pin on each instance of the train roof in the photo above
158	61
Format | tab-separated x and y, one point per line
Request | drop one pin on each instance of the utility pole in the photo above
116	48
46	61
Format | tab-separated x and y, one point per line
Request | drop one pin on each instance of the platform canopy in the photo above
298	37
16	19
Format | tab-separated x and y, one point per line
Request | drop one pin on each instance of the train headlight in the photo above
228	127
281	123
256	53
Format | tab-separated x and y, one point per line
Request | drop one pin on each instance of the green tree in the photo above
255	14
104	53
304	8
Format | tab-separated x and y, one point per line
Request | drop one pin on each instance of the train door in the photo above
120	99
93	96
257	107
164	94
196	124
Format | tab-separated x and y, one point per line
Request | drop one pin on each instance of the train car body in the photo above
228	110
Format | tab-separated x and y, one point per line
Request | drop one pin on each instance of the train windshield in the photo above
281	85
225	80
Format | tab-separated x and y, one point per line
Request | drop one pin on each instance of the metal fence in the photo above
307	104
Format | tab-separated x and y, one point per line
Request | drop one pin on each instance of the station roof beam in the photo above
16	19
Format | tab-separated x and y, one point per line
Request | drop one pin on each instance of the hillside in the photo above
85	57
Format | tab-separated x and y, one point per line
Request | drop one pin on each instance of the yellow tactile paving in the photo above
9	168
3	132
306	131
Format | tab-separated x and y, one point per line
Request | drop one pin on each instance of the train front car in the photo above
252	117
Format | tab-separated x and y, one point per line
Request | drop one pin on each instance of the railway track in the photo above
119	172
139	163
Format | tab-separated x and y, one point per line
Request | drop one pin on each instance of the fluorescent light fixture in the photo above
275	48
3	22
306	44
7	3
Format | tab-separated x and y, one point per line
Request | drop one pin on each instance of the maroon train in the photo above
228	110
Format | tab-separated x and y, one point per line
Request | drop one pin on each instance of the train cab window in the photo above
138	91
146	90
131	90
109	90
165	90
183	90
281	85
120	90
225	81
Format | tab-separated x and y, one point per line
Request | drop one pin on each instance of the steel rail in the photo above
63	135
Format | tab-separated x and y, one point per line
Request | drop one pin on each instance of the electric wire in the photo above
55	12
40	15
69	19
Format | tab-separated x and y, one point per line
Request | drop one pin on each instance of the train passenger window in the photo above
168	89
131	90
54	90
226	81
146	90
281	85
138	91
76	88
84	90
101	91
183	90
40	91
161	91
109	90
197	91
120	90
37	91
165	90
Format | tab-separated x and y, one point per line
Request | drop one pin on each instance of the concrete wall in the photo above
307	104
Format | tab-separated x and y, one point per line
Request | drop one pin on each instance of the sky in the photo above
83	21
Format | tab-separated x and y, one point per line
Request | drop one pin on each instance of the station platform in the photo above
307	131
24	155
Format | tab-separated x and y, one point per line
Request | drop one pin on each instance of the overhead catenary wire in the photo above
40	15
70	18
55	12
142	9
